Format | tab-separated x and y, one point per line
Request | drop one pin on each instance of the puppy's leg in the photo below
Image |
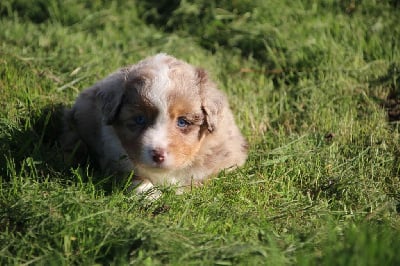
145	187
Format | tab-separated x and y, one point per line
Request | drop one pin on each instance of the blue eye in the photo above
140	120
182	122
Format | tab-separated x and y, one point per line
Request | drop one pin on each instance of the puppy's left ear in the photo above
212	100
110	92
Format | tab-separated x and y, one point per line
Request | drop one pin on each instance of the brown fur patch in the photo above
184	142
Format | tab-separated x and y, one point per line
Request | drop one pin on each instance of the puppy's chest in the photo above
183	177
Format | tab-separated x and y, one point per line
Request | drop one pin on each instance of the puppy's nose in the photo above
158	155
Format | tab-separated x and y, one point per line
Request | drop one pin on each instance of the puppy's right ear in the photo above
110	93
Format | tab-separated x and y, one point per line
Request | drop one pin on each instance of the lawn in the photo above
314	86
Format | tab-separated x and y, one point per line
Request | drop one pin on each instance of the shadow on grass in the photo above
391	83
32	149
32	143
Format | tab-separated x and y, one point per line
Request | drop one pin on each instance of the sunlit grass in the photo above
307	81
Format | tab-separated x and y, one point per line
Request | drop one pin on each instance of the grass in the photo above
314	86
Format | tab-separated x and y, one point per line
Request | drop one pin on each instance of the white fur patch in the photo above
161	82
156	137
145	186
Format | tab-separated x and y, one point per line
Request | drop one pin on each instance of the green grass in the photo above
310	84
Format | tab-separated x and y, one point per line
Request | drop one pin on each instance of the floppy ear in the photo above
212	100
110	92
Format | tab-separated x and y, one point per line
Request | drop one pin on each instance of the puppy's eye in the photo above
140	120
182	122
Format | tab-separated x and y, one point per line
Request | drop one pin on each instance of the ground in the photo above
314	87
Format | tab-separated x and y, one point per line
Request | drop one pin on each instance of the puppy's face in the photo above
161	121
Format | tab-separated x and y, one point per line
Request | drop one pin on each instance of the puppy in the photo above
161	118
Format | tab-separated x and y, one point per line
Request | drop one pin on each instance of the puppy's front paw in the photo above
146	188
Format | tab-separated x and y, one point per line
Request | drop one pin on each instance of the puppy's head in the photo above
163	112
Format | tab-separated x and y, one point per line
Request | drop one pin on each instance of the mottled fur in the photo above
162	118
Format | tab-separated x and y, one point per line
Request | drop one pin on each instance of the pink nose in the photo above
158	155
